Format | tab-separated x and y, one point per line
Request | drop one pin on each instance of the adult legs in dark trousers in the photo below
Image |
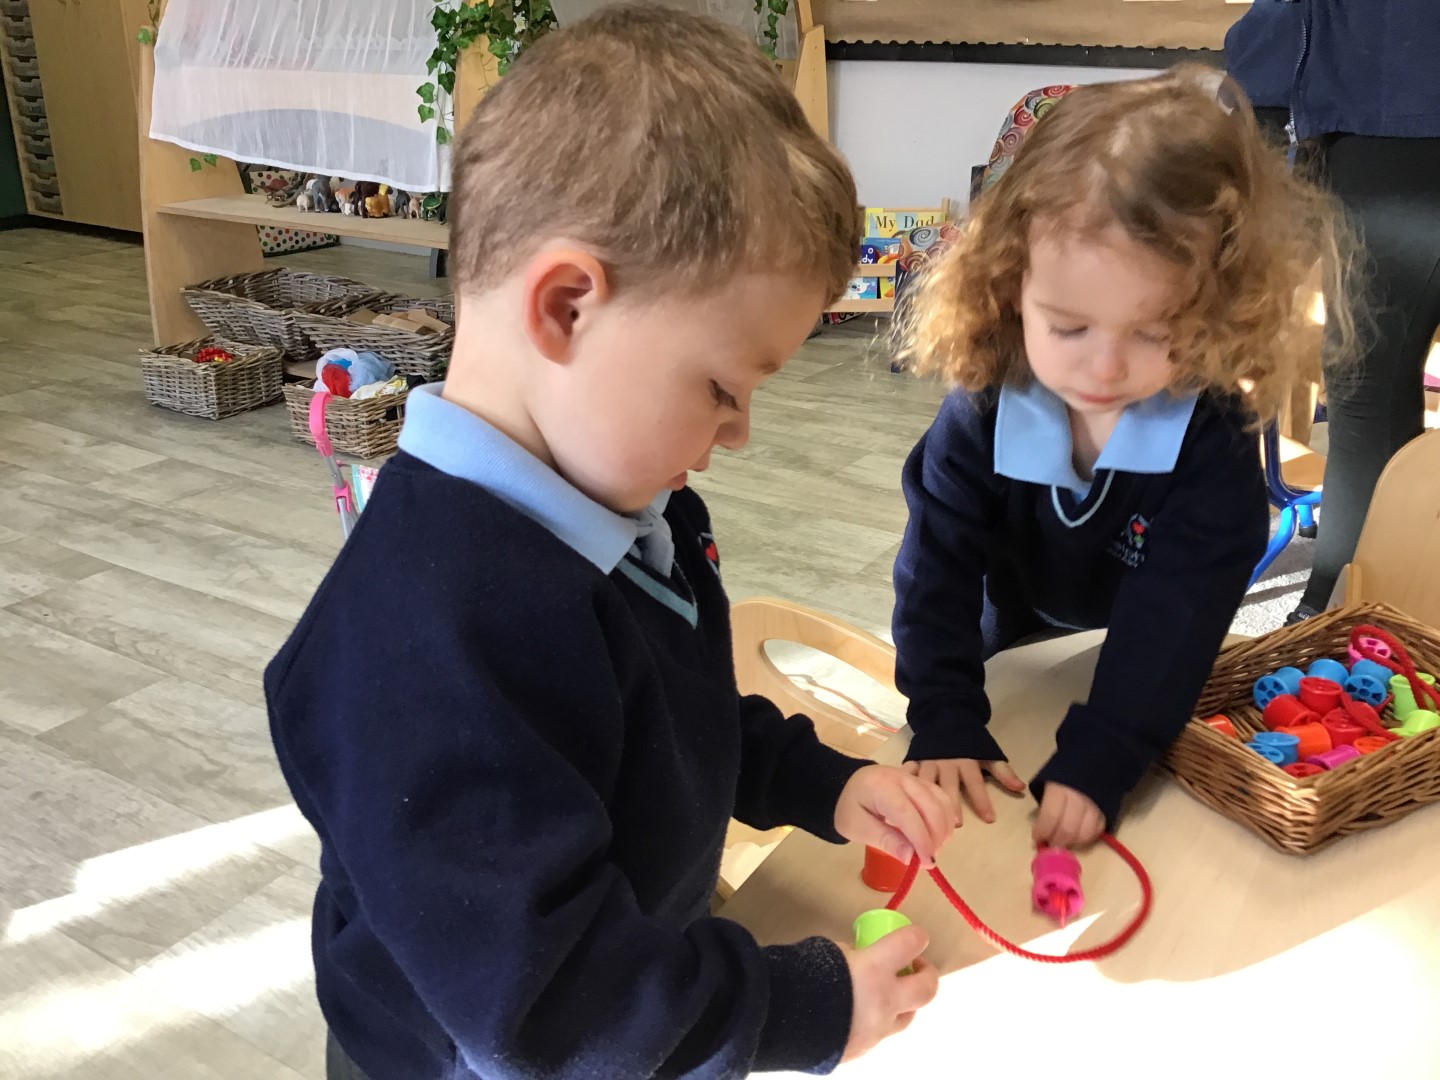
1391	187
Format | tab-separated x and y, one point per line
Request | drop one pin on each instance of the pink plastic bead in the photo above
1057	884
1378	647
1333	759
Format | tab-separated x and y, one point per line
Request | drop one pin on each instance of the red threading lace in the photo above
1398	661
1099	952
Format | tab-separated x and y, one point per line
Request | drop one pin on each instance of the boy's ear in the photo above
561	287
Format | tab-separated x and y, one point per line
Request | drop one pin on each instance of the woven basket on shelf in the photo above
368	428
217	389
1299	816
425	355
262	308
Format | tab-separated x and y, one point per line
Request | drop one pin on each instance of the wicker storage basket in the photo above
368	428
1299	816
425	355
214	390
261	309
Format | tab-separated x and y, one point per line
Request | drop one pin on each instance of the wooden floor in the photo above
154	879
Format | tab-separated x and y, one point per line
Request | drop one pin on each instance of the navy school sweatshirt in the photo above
521	771
1160	559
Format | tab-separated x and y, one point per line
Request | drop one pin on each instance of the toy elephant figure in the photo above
316	196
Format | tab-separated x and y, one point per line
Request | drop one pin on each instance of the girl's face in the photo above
1093	309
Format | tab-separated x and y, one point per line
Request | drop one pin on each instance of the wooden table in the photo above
1253	964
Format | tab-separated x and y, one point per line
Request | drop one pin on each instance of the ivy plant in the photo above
510	27
774	11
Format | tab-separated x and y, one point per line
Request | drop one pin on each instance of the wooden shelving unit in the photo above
199	225
257	210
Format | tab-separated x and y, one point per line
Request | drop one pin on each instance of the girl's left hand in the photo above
900	814
1067	819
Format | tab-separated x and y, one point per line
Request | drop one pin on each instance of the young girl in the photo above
1121	314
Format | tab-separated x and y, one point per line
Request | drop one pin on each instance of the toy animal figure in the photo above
345	198
378	205
316	197
365	190
320	193
401	202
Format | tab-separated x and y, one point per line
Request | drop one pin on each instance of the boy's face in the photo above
650	387
1094	319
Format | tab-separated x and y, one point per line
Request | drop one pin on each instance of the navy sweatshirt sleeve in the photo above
787	775
954	498
1169	619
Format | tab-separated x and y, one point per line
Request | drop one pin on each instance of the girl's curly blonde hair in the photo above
1179	163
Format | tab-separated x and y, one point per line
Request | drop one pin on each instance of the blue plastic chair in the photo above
1297	508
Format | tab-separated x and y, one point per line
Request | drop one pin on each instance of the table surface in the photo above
1252	962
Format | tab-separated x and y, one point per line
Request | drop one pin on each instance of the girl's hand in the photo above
1067	819
955	776
885	1002
889	809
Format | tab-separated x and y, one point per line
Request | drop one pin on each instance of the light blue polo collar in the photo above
1033	443
454	440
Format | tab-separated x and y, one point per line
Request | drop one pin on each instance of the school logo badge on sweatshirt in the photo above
712	553
1129	547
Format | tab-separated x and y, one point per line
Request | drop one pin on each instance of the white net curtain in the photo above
325	86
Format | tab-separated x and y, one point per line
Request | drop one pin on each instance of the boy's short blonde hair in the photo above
665	143
1177	163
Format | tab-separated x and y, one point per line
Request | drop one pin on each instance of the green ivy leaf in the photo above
779	7
146	36
440	18
447	81
503	66
195	165
442	136
500	49
463	43
210	159
426	92
427	113
432	63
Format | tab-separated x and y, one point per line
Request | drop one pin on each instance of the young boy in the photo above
510	712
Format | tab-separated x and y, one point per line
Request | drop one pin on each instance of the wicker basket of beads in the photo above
263	308
364	428
214	389
425	355
1302	815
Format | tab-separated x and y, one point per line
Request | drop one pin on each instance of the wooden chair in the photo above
1397	560
756	622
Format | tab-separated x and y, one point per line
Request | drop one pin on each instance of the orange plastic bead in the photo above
1221	724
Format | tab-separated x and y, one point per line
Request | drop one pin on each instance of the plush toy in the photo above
343	371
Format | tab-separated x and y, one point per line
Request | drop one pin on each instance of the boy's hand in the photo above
1067	819
885	1002
889	809
963	780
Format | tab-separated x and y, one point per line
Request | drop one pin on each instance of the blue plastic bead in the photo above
1379	672
1286	744
1276	684
1369	690
1272	754
1329	669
